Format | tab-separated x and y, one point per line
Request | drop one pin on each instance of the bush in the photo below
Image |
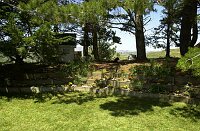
157	88
137	85
153	71
191	61
150	77
76	69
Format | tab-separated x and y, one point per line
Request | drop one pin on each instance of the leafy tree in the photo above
106	39
13	43
92	17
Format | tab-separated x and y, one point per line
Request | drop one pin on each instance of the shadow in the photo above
78	98
9	98
190	111
126	106
54	97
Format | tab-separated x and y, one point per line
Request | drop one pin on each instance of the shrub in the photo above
157	88
155	74
191	61
153	71
76	70
101	83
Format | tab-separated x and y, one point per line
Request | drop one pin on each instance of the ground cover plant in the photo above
81	111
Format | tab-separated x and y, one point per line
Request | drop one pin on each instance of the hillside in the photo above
161	54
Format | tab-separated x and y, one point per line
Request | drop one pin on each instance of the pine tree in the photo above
188	23
132	17
166	33
28	30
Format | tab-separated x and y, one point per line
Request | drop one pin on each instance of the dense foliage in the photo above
28	32
150	78
106	51
76	70
191	61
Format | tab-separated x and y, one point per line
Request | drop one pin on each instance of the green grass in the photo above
161	54
78	111
156	54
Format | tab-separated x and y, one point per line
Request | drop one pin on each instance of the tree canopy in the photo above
28	27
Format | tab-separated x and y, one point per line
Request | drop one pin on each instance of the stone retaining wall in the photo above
121	92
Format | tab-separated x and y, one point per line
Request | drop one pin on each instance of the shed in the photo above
66	46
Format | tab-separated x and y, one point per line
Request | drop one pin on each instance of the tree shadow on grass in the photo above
126	106
78	98
190	111
54	97
10	97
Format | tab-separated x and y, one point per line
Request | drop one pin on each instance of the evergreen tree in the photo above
166	33
132	17
28	31
188	23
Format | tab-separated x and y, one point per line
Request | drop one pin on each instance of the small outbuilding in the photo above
66	48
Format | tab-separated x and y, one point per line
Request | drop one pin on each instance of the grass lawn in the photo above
161	54
81	112
156	54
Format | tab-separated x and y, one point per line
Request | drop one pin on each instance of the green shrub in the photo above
157	88
76	70
191	61
143	75
137	85
154	71
101	83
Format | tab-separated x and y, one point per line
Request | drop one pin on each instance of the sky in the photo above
128	40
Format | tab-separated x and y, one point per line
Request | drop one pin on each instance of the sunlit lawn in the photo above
161	54
82	112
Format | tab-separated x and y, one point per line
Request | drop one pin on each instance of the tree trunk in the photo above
19	60
168	40
194	24
189	14
185	34
140	40
56	28
194	35
85	41
95	43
